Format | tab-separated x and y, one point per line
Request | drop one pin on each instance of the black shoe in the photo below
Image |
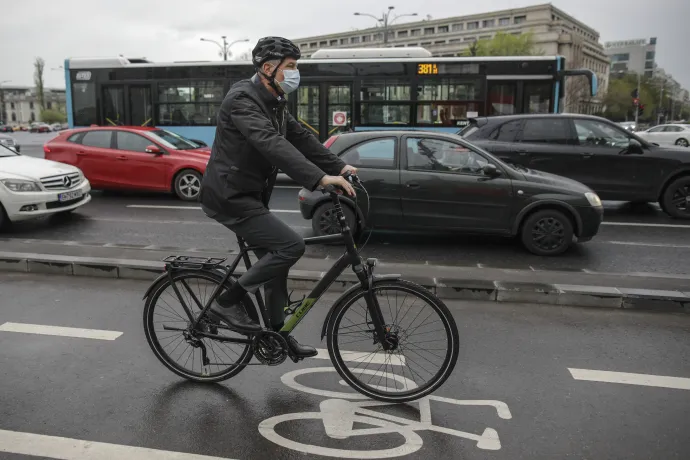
301	351
234	316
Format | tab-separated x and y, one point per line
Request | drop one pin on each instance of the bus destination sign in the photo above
427	69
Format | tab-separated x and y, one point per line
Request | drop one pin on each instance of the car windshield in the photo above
171	140
5	152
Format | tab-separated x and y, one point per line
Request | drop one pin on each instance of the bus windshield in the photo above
172	141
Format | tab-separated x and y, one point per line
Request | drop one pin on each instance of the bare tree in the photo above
577	94
39	67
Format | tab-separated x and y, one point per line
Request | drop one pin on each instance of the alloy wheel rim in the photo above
329	222
189	185
682	143
548	234
681	199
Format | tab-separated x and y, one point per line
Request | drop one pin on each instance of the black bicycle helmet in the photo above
270	48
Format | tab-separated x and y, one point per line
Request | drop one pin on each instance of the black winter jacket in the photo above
256	136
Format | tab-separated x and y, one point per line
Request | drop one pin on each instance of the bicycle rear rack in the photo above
194	263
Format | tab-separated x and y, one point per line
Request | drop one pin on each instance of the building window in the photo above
354	40
442	29
652	41
620	57
426	43
470	39
33	117
429	30
378	36
504	22
313	45
416	32
12	105
366	38
488	23
343	41
14	116
650	55
519	19
485	37
455	40
323	43
31	105
49	105
334	42
649	65
457	27
402	34
473	25
516	33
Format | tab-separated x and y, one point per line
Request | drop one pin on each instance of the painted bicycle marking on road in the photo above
341	410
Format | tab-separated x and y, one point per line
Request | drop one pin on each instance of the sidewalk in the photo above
573	288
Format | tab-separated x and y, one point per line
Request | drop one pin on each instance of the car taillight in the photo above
46	149
330	141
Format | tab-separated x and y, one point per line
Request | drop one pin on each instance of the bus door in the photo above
127	105
324	109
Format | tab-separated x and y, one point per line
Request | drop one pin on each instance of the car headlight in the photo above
593	199
17	185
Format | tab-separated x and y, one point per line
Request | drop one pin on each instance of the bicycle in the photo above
390	340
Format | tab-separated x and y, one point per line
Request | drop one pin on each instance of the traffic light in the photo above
640	109
635	94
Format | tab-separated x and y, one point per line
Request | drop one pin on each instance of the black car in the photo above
432	181
6	129
614	162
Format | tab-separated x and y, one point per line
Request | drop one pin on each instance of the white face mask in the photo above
290	82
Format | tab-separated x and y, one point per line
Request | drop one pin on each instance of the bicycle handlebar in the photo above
333	189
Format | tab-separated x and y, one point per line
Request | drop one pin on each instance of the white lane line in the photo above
39	445
359	357
640	224
60	331
195	208
649	380
653	245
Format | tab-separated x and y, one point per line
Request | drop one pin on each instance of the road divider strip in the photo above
626	378
39	445
75	332
467	288
196	208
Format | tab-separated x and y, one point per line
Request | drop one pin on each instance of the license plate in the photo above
70	195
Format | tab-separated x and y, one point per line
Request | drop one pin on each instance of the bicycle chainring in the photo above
270	348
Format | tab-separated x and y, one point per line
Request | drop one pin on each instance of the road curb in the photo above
464	288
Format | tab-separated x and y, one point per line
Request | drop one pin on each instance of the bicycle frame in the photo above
364	273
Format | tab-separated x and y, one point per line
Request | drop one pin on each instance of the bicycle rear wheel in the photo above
422	329
177	351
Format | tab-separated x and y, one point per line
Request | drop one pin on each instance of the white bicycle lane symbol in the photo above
339	413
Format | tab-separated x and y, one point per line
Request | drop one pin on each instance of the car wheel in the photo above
682	142
547	233
676	198
187	185
325	220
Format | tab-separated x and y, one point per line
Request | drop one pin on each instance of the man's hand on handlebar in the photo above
348	169
339	182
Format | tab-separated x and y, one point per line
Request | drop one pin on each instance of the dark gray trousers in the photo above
281	247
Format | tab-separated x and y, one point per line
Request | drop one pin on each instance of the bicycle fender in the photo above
349	291
154	284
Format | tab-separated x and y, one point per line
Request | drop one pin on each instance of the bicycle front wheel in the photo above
418	324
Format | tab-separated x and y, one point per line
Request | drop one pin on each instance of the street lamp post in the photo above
2	101
385	20
225	47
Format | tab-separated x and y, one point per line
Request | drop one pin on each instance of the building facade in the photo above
632	56
19	104
554	32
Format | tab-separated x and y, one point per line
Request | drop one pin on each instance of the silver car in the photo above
9	142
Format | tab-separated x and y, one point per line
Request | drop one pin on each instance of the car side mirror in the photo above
154	149
490	170
634	148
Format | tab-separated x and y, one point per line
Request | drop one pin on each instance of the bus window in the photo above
308	107
376	108
537	97
502	98
84	104
449	101
339	100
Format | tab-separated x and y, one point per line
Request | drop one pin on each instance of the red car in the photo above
134	158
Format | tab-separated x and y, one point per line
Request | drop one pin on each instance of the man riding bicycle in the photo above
256	136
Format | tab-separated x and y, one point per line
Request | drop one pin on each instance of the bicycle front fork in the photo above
365	273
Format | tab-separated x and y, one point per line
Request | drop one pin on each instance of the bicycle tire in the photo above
451	333
154	343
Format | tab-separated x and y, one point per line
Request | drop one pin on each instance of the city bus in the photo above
340	90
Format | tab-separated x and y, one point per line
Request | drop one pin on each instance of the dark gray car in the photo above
431	181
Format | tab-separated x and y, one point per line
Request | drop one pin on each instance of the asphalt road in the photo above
633	239
513	376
